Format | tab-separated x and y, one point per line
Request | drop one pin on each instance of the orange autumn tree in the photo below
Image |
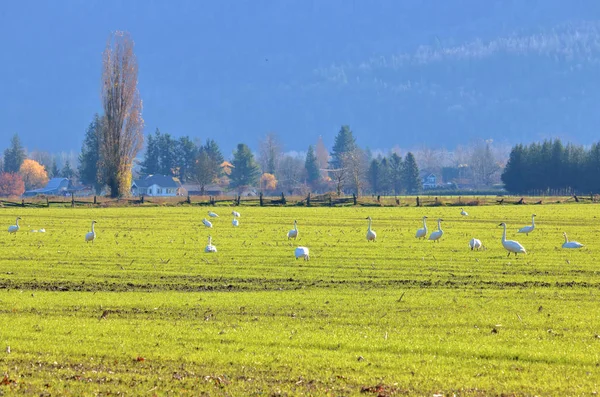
268	181
11	184
34	174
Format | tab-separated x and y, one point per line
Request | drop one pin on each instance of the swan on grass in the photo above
463	212
371	235
301	252
235	214
212	214
206	222
510	245
422	233
571	244
14	228
209	247
528	229
437	235
475	244
235	222
91	236
294	232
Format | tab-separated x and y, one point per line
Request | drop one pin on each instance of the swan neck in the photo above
369	224
532	220
424	225
504	233
92	227
17	222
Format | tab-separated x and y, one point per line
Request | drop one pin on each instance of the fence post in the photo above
308	200
354	198
142	199
379	198
189	200
283	198
239	198
23	203
47	202
95	200
330	202
260	197
418	202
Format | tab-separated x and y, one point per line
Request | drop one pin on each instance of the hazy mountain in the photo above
401	73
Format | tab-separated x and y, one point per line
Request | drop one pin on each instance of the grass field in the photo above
145	311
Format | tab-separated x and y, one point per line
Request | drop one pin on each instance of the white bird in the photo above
422	233
463	212
435	236
510	245
475	244
528	229
235	222
212	214
571	244
371	235
301	252
91	236
235	213
294	232
210	247
42	230
14	228
206	223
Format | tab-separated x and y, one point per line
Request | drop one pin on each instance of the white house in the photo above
156	185
429	180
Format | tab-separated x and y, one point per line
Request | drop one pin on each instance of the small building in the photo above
196	190
428	180
54	187
156	185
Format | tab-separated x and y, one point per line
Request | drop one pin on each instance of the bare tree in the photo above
270	154
292	173
355	163
122	135
484	165
322	156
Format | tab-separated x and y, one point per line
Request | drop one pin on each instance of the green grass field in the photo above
145	311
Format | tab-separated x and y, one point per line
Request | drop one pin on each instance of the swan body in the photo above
235	214
510	245
422	233
14	228
475	244
571	244
371	235
463	212
212	214
235	222
528	229
301	252
294	232
209	247
206	223
435	236
91	236
42	230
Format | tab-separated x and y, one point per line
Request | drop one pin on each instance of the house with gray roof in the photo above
54	187
156	185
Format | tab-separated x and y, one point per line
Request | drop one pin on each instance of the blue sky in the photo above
235	70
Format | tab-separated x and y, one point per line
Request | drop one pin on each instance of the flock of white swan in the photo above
302	252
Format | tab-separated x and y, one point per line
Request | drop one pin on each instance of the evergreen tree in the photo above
14	155
67	171
384	176
246	171
186	157
344	143
374	175
54	172
312	166
412	182
167	155
151	162
89	158
213	150
396	173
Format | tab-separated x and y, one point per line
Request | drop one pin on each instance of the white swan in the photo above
301	252
235	214
294	232
510	245
235	222
14	228
463	212
206	223
91	236
422	233
212	214
371	235
435	236
528	229
210	247
475	244
571	244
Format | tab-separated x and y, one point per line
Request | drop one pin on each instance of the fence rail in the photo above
322	200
